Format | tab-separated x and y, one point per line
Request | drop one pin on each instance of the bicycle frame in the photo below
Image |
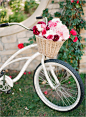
29	59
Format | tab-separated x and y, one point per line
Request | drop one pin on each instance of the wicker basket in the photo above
47	47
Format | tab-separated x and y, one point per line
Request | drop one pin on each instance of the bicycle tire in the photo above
75	78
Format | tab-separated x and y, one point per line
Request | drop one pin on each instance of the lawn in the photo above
23	101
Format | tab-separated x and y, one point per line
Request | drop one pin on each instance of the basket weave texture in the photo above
47	47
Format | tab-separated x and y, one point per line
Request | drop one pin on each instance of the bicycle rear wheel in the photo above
68	95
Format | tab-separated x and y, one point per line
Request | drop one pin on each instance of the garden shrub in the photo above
30	6
71	12
3	15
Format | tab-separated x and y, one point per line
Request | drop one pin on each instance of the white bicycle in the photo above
57	84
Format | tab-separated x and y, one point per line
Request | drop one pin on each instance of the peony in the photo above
55	30
73	32
75	40
57	20
52	24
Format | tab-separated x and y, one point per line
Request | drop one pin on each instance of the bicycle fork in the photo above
53	74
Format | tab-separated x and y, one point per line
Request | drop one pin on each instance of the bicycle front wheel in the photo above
68	95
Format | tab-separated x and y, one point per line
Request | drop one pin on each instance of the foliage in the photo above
30	40
18	14
14	104
3	15
17	17
30	6
71	16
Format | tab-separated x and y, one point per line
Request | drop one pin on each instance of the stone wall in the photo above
83	34
10	37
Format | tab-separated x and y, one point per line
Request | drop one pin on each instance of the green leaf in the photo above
85	39
31	42
52	1
77	6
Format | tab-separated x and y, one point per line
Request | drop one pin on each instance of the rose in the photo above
76	38
41	22
21	45
56	38
72	1
44	32
50	37
73	32
77	1
35	31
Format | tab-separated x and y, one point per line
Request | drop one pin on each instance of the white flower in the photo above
39	27
26	108
57	20
19	89
50	32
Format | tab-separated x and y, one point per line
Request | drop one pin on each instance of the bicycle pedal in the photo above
8	92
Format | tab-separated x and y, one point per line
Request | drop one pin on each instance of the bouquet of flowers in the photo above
55	30
50	37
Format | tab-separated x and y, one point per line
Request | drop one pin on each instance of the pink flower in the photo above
29	72
43	26
73	32
35	31
56	38
45	92
24	73
77	1
21	45
75	40
72	1
44	32
10	76
52	24
50	37
41	22
69	82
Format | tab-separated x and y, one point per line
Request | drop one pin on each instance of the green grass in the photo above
23	95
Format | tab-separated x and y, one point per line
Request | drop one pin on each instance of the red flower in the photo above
72	1
21	45
10	76
41	22
77	1
50	37
56	38
24	73
45	93
47	28
35	31
76	38
44	32
29	72
73	32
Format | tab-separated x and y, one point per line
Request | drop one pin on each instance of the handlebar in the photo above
39	17
8	24
3	25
